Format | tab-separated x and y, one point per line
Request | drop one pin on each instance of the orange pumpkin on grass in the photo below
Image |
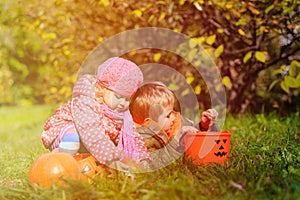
53	168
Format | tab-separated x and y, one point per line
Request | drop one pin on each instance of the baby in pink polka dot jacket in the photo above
97	118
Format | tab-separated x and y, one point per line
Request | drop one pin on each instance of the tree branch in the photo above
283	57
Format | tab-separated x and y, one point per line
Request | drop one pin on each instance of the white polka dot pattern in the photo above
98	133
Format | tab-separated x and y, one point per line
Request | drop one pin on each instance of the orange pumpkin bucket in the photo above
89	166
206	147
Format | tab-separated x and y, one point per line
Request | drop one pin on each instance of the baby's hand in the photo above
208	117
184	130
189	129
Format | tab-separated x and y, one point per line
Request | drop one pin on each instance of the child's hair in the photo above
149	101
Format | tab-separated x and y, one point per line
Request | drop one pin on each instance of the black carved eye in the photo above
217	141
225	140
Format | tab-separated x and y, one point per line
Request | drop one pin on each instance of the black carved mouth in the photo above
220	154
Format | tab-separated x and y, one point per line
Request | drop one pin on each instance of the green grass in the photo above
264	164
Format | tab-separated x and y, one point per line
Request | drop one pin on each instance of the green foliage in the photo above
45	44
252	34
264	164
21	54
288	76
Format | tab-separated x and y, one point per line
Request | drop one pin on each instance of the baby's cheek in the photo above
168	124
126	105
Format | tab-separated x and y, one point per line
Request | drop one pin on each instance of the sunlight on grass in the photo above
264	164
20	141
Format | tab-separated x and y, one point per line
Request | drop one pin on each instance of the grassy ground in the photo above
264	164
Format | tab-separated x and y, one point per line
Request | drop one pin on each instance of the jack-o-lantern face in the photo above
221	151
89	166
206	147
213	147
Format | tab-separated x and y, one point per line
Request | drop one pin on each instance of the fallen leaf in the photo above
238	185
297	136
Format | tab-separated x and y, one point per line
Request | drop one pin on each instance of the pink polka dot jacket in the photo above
99	134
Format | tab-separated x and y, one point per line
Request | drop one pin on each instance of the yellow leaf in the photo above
226	81
157	56
283	67
200	40
272	85
227	16
73	78
254	10
247	57
185	92
105	2
295	63
241	32
284	87
229	5
293	70
260	56
197	89
198	6
276	72
67	52
173	87
151	18
268	9
219	51
181	2
211	39
67	40
298	80
137	13
162	16
290	82
100	39
197	63
160	2
220	30
241	21
49	35
190	79
177	30
209	51
192	43
53	90
263	29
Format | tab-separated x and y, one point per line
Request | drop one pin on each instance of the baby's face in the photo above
115	101
166	119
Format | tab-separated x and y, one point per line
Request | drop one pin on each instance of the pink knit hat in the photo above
120	75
